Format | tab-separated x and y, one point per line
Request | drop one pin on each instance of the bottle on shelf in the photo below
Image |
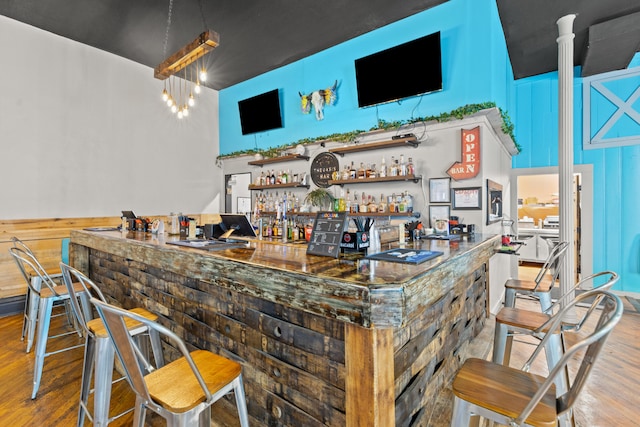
347	207
355	208
410	168
361	171
392	203
403	166
382	206
364	206
272	178
383	169
393	170
345	173
373	206
373	173
353	173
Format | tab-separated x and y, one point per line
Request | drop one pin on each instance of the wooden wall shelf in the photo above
270	186
342	182
398	142
287	158
350	214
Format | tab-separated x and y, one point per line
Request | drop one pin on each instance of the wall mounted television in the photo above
409	69
260	113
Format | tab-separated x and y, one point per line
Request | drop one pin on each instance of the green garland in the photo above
458	113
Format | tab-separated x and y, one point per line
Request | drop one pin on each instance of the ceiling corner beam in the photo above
203	44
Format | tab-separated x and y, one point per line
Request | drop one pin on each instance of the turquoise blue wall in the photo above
474	62
616	242
475	69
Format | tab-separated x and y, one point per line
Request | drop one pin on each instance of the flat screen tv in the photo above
409	69
260	113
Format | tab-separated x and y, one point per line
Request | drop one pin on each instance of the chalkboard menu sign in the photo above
327	234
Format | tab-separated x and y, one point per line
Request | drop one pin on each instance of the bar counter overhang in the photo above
322	341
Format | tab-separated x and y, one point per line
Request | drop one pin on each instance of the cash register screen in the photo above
238	223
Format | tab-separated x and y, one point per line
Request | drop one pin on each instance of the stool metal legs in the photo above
44	321
543	297
99	359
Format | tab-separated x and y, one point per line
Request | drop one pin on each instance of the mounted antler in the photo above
318	99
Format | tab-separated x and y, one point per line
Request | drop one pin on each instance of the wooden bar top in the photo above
350	288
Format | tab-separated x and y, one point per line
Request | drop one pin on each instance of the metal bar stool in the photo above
516	397
512	321
47	296
29	320
540	287
204	377
99	351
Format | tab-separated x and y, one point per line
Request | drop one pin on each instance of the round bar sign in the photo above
323	167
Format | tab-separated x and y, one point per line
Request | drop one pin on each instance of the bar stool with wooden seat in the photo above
47	296
516	397
29	320
99	351
541	286
182	391
512	321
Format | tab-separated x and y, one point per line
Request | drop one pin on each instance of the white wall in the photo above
84	133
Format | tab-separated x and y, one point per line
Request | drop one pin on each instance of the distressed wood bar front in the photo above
322	341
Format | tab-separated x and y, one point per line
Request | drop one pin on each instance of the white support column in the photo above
565	146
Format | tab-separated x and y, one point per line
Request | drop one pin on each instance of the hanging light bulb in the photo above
185	110
174	108
180	114
192	100
203	74
165	95
170	101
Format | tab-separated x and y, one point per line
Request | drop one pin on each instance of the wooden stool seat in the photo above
60	290
97	326
522	319
176	389
528	285
511	396
505	390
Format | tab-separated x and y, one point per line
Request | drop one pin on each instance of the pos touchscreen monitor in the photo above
236	225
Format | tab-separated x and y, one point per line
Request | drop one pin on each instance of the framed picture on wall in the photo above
439	190
466	198
494	202
438	212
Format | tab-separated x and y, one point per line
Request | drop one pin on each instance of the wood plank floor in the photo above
610	398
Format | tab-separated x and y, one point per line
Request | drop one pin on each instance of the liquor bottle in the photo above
345	173
347	207
373	173
273	178
354	206
353	174
383	169
382	206
403	166
364	207
285	178
411	171
393	171
373	206
392	203
361	171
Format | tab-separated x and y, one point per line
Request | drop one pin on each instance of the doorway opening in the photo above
536	200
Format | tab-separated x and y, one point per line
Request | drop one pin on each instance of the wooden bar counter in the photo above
322	341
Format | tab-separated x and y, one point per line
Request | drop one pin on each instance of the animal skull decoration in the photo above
318	99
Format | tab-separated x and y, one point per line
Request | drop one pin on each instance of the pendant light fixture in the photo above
188	58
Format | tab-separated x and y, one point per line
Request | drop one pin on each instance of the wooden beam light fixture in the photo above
179	61
187	55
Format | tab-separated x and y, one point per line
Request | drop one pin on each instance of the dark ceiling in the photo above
257	36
